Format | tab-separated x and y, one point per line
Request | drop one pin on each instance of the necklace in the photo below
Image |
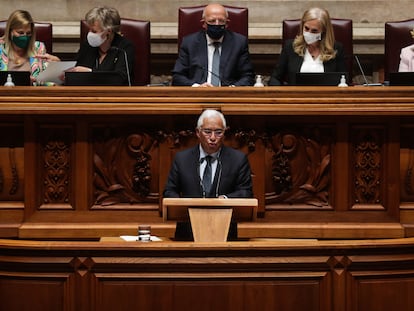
17	60
314	52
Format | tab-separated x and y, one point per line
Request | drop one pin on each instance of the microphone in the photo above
363	74
219	167
223	81
202	188
218	173
199	177
126	62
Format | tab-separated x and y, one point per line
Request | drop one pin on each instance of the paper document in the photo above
54	70
135	238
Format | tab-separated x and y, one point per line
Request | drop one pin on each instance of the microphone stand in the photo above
214	74
126	62
363	74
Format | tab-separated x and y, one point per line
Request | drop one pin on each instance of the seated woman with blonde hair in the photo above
19	50
313	50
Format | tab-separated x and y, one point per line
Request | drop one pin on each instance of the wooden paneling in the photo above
389	283
214	294
345	275
327	162
35	291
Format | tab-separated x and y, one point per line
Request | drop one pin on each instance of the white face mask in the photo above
95	39
311	37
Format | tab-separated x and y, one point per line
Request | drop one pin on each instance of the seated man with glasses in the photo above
209	169
215	56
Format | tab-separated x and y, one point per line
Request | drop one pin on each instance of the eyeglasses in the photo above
209	132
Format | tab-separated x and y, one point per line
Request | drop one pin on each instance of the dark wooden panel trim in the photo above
351	274
304	145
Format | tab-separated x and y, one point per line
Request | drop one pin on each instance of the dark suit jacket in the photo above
232	178
192	63
290	62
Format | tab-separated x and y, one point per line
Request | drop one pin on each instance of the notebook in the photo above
20	78
319	78
94	78
401	78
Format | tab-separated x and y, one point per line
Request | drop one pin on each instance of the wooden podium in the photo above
209	217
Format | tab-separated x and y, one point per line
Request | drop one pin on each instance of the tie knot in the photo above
216	44
208	159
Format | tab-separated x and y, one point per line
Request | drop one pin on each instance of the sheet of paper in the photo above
135	238
54	70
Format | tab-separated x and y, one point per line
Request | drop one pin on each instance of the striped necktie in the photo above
207	175
215	69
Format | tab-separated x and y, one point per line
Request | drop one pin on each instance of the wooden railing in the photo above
277	274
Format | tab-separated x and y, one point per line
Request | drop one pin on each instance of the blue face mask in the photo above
215	32
22	41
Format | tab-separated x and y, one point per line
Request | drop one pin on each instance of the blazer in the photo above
36	64
115	59
232	177
407	59
192	62
290	63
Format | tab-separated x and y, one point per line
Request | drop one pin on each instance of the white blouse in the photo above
311	65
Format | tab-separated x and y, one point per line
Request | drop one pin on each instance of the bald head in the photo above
215	14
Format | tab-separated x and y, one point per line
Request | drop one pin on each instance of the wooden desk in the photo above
292	275
327	162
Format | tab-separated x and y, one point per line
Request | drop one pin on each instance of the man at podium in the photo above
209	169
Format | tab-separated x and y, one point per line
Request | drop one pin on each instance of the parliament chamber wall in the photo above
265	28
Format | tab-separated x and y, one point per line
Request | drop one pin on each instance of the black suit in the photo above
232	178
290	63
192	64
